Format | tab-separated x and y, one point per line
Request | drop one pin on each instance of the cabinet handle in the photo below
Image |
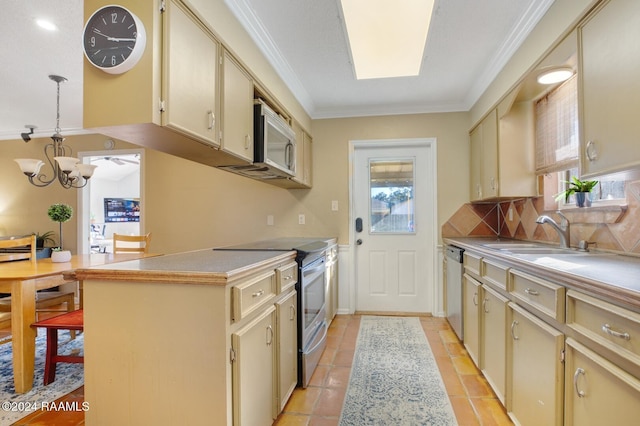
514	323
578	372
288	277
269	335
212	120
607	329
592	151
475	298
292	312
258	293
531	292
485	302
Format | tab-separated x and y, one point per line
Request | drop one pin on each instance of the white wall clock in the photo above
113	39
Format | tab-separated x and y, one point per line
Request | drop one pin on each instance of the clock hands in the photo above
116	39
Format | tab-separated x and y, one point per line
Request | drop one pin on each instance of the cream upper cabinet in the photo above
286	317
237	109
303	156
597	391
502	152
484	158
534	350
190	76
253	371
494	326
610	101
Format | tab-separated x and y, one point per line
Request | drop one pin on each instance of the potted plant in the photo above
581	188
41	240
60	213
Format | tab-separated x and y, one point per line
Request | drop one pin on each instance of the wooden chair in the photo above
5	320
44	299
131	243
73	321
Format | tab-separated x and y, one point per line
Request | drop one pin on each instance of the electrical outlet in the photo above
334	205
510	214
301	219
270	220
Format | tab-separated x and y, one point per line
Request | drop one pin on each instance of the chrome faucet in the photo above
563	229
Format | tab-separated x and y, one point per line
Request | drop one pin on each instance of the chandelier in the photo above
69	171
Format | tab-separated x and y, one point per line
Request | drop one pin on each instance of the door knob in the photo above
358	242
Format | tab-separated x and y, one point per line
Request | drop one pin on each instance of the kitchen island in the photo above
190	338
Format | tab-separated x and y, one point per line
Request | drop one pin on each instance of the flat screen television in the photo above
121	210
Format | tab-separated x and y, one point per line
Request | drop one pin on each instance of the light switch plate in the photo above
301	219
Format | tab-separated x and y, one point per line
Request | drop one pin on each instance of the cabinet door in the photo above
494	331
484	158
476	163
536	374
471	316
286	315
237	109
303	156
190	76
610	59
598	392
253	371
489	165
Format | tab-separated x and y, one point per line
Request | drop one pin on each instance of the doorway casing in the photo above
437	291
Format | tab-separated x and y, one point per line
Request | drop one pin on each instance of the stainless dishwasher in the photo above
454	271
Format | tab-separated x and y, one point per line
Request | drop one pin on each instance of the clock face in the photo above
114	39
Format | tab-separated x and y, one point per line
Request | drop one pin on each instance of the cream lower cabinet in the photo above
287	356
254	346
597	391
534	370
493	346
472	295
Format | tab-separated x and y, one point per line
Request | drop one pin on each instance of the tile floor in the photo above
319	404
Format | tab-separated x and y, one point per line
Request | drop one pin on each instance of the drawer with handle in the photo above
611	326
541	295
286	277
472	264
252	294
494	274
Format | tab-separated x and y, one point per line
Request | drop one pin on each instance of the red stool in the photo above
69	321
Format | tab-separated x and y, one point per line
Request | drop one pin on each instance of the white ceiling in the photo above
469	42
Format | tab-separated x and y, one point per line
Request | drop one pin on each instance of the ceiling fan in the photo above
118	160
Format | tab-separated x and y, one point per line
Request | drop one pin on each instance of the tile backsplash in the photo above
618	231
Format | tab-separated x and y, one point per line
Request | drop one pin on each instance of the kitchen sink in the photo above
542	250
509	246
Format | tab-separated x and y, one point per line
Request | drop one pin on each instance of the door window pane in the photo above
391	209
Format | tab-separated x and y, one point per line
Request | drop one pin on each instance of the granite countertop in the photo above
607	275
209	267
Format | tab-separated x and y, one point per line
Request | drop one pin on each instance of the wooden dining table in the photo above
22	279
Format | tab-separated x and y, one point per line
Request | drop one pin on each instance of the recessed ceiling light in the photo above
47	25
555	75
387	38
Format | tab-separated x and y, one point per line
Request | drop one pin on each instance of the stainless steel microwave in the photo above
274	141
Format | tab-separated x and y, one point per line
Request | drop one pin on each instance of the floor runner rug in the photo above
394	377
69	377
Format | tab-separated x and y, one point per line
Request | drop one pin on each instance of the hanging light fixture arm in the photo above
66	169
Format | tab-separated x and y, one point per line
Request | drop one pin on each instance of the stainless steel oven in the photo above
312	324
312	333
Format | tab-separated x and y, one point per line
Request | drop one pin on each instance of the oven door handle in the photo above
320	341
313	271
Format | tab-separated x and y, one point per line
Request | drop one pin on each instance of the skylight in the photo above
387	38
